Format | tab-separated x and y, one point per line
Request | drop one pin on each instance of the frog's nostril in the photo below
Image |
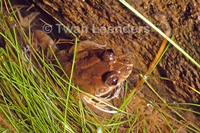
129	67
101	90
110	78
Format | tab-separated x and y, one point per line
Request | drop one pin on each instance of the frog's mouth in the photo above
100	103
113	93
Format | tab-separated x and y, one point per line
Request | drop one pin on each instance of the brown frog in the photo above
97	70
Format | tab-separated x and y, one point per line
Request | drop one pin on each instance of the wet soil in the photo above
111	23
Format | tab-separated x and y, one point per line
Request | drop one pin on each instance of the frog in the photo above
97	69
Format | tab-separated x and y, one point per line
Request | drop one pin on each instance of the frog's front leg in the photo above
45	42
39	38
25	21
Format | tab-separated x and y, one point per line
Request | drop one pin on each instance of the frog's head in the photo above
99	71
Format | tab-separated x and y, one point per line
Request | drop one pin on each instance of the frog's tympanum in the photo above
97	70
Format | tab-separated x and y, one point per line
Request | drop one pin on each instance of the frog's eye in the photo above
108	55
110	78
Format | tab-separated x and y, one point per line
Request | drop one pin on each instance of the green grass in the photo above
29	91
35	98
